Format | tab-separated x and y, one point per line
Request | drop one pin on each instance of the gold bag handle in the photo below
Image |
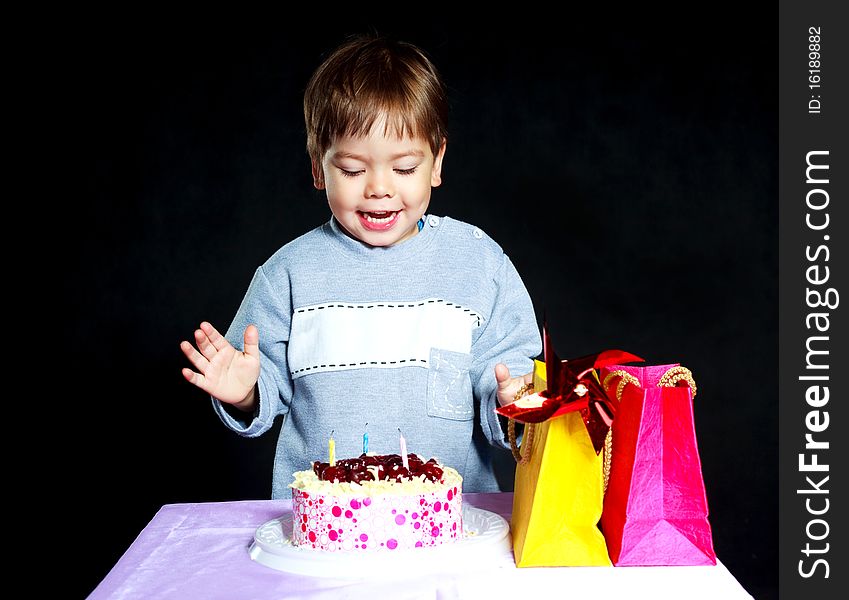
625	379
523	455
670	378
675	375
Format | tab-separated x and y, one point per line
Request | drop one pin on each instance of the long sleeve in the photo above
269	308
510	336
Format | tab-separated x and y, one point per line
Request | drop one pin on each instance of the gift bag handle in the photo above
625	379
675	375
522	455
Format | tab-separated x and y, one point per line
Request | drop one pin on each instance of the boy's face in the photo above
379	187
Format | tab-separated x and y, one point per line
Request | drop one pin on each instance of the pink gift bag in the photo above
655	509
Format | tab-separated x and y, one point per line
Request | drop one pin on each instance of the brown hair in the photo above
369	76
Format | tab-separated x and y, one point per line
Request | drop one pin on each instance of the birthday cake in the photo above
375	503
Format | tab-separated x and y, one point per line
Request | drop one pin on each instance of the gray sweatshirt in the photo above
401	337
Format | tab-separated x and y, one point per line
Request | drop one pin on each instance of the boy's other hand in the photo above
508	386
223	371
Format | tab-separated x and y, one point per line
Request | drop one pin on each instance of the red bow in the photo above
573	385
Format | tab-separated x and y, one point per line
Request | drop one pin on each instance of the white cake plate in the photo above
486	535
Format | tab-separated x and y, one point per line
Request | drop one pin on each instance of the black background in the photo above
627	164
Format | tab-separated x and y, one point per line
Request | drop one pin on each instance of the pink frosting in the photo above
363	524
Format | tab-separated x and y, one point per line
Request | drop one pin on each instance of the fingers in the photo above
510	387
215	338
200	363
252	341
195	378
204	344
502	375
209	341
197	359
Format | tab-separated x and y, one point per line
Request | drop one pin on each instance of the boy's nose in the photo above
379	185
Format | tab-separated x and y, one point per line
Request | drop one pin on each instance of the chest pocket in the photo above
449	387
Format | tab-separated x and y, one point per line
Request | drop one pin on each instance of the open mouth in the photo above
379	216
378	220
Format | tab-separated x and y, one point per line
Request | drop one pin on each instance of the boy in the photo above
384	315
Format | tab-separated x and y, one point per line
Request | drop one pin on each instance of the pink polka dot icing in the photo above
333	521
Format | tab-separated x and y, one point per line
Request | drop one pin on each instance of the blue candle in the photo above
365	441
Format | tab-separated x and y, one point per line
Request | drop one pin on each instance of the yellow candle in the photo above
331	449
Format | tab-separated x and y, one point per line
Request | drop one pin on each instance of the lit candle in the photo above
404	459
365	441
331	449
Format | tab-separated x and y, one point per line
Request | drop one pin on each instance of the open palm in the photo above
223	371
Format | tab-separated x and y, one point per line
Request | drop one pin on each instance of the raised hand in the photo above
223	371
508	386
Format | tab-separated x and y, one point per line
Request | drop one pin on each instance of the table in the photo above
201	551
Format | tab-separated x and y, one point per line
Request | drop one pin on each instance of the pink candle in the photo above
404	460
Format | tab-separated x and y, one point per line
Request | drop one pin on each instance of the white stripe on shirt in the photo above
335	336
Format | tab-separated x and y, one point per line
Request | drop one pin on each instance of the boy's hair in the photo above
369	76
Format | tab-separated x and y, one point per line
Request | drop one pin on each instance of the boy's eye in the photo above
347	173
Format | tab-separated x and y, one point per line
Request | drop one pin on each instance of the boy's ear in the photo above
317	175
436	172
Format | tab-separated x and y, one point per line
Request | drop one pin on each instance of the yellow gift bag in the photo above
558	493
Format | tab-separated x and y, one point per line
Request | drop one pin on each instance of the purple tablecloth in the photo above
201	551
